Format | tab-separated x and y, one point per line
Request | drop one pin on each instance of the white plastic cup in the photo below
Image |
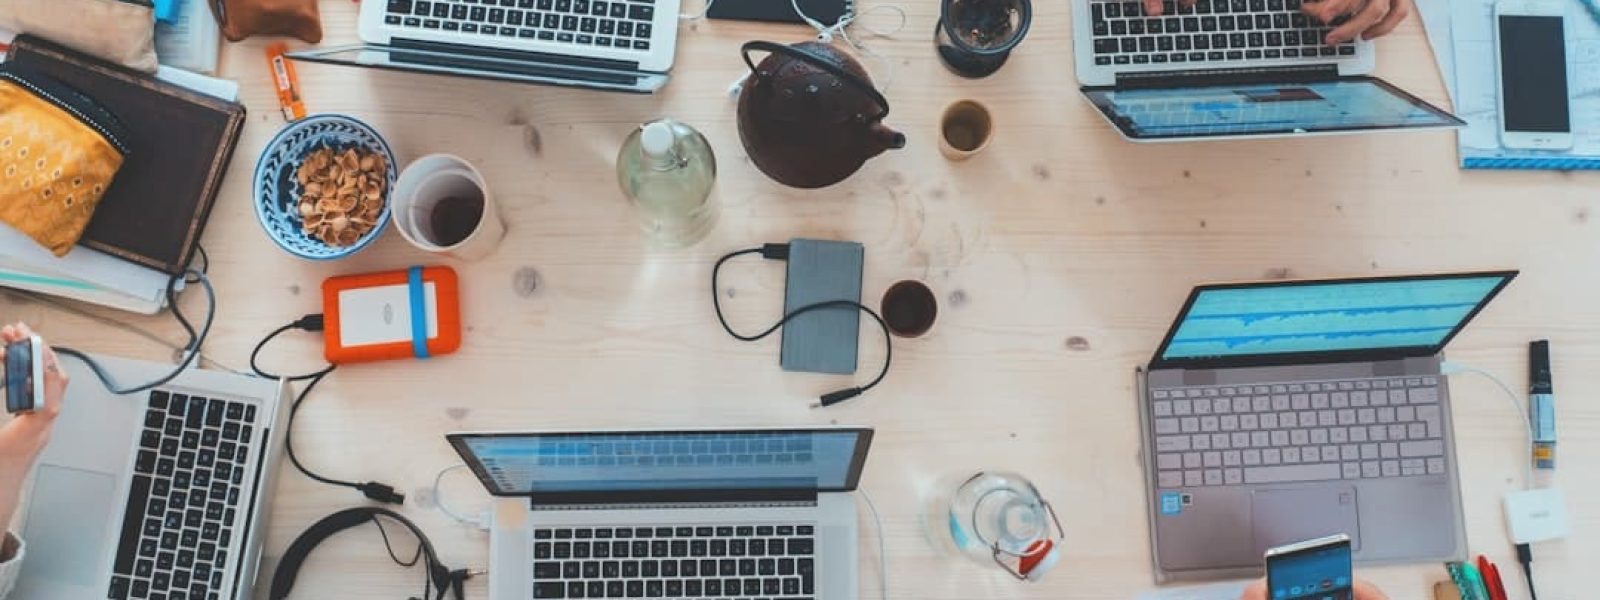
423	185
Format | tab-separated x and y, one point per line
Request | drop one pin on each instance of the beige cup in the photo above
965	129
441	205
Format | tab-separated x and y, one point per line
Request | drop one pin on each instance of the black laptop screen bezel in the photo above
1327	356
1094	95
864	436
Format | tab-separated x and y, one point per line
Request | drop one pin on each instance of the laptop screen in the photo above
599	462
1400	316
1347	104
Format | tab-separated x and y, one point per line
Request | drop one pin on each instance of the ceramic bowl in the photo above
277	190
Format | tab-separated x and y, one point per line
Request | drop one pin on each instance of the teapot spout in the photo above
883	138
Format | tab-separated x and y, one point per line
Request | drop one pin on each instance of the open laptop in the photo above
677	514
1232	69
1291	410
618	45
161	494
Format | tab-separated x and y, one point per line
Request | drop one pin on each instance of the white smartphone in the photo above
1535	106
1319	569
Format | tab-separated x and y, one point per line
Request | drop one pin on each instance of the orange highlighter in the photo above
414	313
286	82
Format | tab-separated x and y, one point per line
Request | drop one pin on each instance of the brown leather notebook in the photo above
180	143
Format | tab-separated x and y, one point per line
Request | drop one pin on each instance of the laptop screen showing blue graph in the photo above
1266	108
656	461
1328	316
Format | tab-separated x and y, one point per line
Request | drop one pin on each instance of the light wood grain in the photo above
1059	255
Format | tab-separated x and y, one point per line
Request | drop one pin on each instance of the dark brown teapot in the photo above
809	116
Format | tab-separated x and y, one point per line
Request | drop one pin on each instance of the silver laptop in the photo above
671	514
155	495
1291	410
618	45
1230	69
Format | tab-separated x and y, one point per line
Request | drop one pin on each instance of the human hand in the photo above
1368	18
1154	8
25	435
1363	591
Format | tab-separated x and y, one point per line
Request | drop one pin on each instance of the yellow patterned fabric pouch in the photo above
58	153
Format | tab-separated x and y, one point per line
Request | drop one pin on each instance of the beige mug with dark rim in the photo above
965	129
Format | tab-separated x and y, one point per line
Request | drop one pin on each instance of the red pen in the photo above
1491	579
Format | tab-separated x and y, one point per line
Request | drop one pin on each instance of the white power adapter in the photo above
1537	515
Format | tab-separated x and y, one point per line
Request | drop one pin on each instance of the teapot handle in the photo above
819	62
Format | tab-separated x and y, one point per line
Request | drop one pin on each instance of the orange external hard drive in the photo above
415	313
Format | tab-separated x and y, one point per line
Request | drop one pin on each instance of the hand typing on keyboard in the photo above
1366	18
1363	591
24	436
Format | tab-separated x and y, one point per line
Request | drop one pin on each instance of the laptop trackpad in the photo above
1286	516
67	519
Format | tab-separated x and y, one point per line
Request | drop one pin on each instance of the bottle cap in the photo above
657	139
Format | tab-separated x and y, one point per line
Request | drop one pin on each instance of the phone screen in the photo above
1319	573
19	376
1533	74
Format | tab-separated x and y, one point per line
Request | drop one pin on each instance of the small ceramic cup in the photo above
442	205
909	308
965	129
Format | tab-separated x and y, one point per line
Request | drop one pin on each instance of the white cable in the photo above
482	522
883	554
1448	368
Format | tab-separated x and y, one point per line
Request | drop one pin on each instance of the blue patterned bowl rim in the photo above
261	202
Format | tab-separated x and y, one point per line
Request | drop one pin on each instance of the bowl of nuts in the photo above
322	187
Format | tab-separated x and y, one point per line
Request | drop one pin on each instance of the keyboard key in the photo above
1284	474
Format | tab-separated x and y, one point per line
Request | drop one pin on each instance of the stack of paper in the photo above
89	275
1461	33
191	40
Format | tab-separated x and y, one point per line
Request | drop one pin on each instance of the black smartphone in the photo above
1319	569
24	375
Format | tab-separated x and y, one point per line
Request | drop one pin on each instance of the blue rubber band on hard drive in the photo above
419	314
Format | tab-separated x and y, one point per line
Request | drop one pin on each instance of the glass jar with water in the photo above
997	518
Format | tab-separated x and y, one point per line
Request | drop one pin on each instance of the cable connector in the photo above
775	251
381	492
312	323
1525	558
832	398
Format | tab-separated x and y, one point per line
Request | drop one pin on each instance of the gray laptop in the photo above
161	494
671	514
1290	410
1233	69
617	45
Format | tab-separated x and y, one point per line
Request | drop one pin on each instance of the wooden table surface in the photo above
1059	256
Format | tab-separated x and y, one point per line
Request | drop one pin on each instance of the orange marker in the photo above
287	83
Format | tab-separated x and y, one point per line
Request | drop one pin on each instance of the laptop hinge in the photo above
673	497
514	55
1212	77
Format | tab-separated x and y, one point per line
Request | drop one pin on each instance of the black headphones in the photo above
439	577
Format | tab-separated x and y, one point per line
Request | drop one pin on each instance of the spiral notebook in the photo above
827	12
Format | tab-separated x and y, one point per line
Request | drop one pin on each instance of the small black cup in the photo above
909	308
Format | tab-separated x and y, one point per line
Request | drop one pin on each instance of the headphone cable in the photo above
781	252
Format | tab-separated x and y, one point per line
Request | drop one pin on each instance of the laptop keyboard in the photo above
705	561
607	24
1210	31
184	499
1353	429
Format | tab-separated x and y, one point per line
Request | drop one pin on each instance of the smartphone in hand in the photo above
1318	569
24	375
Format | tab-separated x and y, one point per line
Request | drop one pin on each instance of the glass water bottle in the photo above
667	169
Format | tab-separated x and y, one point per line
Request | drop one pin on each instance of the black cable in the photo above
781	252
314	323
1525	556
427	573
191	348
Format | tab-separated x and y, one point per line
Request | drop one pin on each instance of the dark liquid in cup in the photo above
909	308
454	219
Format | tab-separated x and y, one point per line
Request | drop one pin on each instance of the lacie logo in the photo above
388	314
1543	514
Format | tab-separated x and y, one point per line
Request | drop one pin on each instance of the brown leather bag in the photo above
244	18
